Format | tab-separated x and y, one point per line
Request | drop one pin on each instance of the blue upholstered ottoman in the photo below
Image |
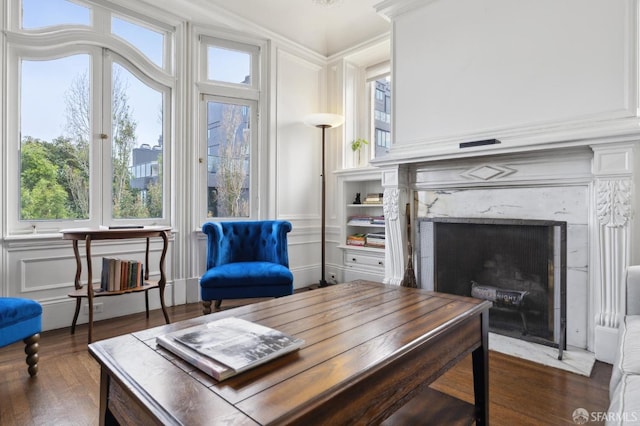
21	319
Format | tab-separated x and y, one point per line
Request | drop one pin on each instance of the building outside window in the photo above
381	117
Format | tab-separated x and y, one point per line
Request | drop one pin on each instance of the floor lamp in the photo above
323	121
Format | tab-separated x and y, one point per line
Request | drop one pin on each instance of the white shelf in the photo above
361	248
365	205
361	262
366	225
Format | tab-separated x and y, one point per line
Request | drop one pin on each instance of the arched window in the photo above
89	88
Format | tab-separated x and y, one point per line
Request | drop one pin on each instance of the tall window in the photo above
228	159
381	115
229	87
92	128
55	133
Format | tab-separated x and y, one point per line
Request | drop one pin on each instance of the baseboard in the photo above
58	313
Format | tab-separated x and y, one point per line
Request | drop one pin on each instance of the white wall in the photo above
300	90
469	69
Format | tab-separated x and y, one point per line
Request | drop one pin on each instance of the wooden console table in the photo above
89	234
369	348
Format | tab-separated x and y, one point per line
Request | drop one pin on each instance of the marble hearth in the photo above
590	187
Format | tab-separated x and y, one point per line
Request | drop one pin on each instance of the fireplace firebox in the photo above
519	265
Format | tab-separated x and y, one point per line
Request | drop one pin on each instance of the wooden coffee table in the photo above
369	349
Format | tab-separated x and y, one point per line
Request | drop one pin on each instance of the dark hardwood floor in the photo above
66	389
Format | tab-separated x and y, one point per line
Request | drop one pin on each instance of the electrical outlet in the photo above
97	308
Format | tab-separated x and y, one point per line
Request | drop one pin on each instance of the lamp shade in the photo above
324	120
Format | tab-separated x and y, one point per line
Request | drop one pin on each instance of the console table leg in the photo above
163	279
146	302
89	286
76	253
75	315
164	308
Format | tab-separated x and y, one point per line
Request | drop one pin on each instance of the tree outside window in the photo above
229	148
54	175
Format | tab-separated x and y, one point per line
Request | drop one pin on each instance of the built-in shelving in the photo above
363	230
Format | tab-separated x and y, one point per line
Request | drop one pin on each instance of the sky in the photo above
45	84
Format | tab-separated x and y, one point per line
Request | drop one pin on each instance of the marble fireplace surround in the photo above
588	185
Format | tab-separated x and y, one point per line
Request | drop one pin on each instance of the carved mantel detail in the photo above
390	203
614	175
613	209
395	197
613	202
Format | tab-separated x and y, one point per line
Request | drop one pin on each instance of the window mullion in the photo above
104	137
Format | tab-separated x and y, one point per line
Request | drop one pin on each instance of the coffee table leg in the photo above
105	416
480	359
104	395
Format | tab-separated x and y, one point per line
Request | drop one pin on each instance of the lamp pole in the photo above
323	282
323	121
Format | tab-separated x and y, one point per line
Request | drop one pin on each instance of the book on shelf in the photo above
229	346
375	245
359	220
375	239
374	198
356	240
377	220
120	275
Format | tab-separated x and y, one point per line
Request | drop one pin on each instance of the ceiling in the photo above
324	29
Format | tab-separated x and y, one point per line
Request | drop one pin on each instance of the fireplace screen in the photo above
519	265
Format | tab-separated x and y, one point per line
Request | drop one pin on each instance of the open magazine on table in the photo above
228	346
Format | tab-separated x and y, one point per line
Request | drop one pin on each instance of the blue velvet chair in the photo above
245	259
21	319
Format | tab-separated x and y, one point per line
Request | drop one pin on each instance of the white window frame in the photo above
373	74
67	40
253	50
253	152
232	93
163	85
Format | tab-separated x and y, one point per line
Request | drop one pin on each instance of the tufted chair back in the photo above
247	241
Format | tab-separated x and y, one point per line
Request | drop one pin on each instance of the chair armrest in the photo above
633	290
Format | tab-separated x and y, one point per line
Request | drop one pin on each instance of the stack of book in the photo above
356	240
375	239
120	275
374	198
226	347
359	221
377	220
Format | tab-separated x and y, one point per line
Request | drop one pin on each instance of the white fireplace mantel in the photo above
561	99
590	186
